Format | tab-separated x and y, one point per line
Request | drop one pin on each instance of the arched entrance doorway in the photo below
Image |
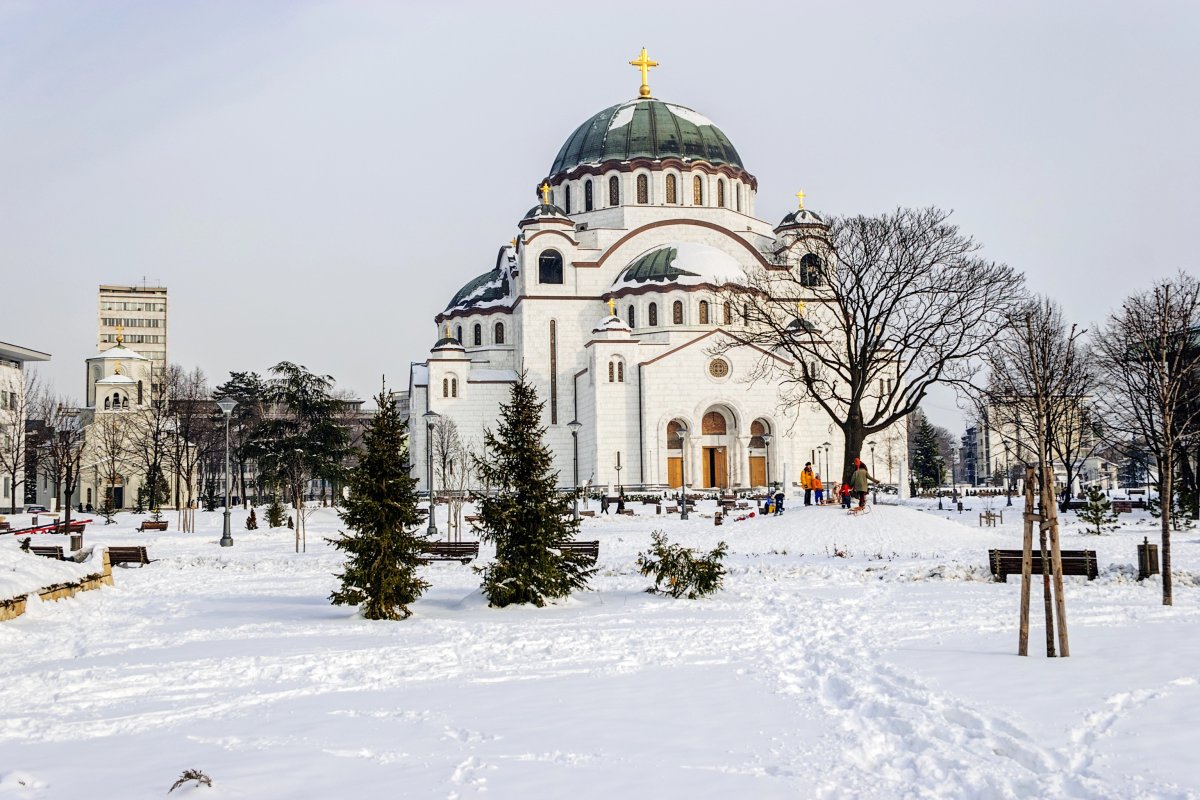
714	456
674	454
759	470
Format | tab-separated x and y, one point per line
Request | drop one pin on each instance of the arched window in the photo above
673	440
697	191
587	195
677	312
672	190
478	334
614	191
107	404
567	198
124	402
737	196
713	424
632	318
116	400
721	192
703	312
498	332
458	334
550	267
652	313
728	314
612	371
454	387
757	429
620	372
140	400
810	270
445	387
643	189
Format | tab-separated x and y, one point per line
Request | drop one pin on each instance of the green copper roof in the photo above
655	266
646	128
484	290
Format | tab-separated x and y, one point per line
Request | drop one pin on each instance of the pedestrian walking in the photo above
603	504
806	477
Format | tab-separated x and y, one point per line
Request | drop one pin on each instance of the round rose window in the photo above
718	368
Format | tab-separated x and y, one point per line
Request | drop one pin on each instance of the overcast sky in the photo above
313	181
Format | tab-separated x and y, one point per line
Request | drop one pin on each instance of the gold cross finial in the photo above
612	307
545	193
120	333
644	63
800	197
117	367
514	242
800	309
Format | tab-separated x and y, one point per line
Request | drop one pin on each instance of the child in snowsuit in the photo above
845	495
818	489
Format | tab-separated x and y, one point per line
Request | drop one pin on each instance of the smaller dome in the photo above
682	263
447	342
611	323
489	289
544	210
800	217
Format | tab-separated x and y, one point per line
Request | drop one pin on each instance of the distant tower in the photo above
142	312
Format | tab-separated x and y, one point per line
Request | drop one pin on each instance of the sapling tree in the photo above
1098	515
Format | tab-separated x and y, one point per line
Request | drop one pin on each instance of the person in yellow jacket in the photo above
806	478
818	489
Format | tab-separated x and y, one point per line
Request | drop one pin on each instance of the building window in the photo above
454	387
652	313
810	270
737	195
478	334
632	318
721	192
697	191
673	440
614	191
620	372
140	400
107	405
672	190
758	429
612	371
728	314
587	195
713	424
643	189
553	372
567	198
458	334
550	267
445	387
677	312
703	312
498	332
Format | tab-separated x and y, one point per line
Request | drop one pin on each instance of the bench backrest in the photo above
128	554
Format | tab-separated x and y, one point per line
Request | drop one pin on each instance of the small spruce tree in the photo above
525	515
1098	514
275	513
384	545
252	521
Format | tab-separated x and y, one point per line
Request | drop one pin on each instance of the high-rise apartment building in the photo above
140	314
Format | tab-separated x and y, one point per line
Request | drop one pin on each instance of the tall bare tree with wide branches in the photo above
17	400
871	311
1150	356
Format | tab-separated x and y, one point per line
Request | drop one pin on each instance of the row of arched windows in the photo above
706	314
477	334
642	189
450	387
616	371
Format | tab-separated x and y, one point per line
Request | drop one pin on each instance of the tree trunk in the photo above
854	436
1167	484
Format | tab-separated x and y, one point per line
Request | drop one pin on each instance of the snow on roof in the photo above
115	380
610	324
122	352
688	115
623	117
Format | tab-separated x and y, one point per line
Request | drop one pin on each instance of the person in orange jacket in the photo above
806	482
818	489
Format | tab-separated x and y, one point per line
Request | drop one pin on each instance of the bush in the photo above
684	573
252	521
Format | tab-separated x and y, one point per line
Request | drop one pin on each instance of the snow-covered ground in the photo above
846	657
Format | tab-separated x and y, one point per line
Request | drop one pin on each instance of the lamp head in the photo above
227	405
574	425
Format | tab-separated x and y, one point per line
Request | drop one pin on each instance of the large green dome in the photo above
646	128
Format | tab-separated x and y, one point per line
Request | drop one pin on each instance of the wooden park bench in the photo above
5	525
70	527
1074	562
464	552
151	525
587	513
591	549
989	518
128	555
55	552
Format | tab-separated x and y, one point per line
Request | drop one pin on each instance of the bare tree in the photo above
1150	357
1042	382
872	311
109	451
17	400
65	439
453	468
150	437
192	433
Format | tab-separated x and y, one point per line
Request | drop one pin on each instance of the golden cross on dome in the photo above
800	197
644	63
546	193
117	367
612	307
120	333
800	309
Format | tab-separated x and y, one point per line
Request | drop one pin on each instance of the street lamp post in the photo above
431	417
766	437
875	487
226	405
575	425
1007	475
682	432
828	445
954	478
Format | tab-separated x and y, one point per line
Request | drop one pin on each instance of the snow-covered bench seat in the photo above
54	551
1074	562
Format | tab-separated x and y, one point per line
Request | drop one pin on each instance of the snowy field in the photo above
886	671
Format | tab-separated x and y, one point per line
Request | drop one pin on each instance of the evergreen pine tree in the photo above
526	517
384	546
1098	514
252	521
928	468
275	513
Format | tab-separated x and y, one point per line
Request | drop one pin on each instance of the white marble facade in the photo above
544	308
